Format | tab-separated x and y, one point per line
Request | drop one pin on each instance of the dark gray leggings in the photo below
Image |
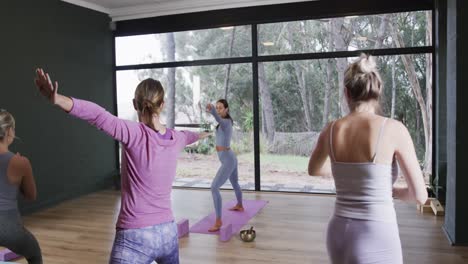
15	237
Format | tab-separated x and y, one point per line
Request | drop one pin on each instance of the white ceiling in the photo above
133	9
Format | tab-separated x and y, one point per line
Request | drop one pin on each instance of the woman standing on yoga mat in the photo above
15	176
364	148
145	227
228	169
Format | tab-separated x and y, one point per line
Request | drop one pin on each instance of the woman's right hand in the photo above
209	107
45	86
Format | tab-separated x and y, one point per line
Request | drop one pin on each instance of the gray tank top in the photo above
8	192
364	190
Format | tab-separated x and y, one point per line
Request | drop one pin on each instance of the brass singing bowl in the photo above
247	235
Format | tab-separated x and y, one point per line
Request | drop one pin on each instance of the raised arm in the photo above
319	164
122	130
406	156
222	121
50	91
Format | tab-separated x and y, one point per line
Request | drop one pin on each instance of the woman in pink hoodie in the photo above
145	227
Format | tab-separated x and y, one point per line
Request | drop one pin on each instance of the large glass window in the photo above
345	33
194	88
296	98
225	42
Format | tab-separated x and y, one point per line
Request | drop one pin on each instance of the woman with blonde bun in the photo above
364	148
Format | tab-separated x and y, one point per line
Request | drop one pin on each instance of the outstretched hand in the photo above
49	91
45	86
209	107
203	135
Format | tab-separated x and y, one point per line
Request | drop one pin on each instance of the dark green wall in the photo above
440	98
74	44
456	216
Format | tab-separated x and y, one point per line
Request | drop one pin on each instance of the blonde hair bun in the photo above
362	80
367	63
7	121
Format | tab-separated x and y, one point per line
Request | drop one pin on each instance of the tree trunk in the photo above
329	80
428	152
188	113
300	76
392	108
418	126
267	106
382	31
264	131
381	34
341	63
171	75
426	111
228	67
326	96
309	100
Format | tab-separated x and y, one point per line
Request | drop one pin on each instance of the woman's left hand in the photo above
45	86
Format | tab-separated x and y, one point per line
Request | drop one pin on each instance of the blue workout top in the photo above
224	131
8	191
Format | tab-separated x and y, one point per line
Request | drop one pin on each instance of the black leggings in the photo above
15	237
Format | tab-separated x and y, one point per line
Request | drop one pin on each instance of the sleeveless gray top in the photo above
364	190
8	192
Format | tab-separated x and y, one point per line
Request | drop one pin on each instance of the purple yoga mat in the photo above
6	254
237	219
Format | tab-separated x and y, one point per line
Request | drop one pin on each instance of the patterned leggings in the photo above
18	239
144	245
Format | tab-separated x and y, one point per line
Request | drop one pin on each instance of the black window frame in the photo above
254	16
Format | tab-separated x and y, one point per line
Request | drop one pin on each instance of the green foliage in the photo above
248	121
286	162
205	146
245	145
283	77
205	127
282	162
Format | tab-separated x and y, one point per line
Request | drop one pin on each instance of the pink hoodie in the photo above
148	164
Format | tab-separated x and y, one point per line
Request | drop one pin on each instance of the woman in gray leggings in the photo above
228	169
15	175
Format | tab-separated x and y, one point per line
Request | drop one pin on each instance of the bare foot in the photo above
238	207
216	226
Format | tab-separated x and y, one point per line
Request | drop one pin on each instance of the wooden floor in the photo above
290	229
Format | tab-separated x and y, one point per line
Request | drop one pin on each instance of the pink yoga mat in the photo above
237	219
